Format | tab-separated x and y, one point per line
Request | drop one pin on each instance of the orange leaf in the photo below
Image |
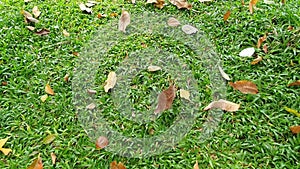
115	165
251	7
49	90
165	99
53	158
226	15
101	142
255	61
296	83
260	41
196	165
245	87
224	105
265	48
36	164
254	2
295	129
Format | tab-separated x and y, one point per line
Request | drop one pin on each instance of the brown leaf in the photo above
188	29
124	21
101	15
43	32
101	142
31	28
31	19
261	40
115	165
160	4
75	53
53	158
243	2
254	2
245	87
295	129
196	166
181	4
265	48
49	90
165	99
26	14
65	33
173	22
296	83
255	61
36	12
113	14
4	83
224	105
251	7
49	139
111	81
66	77
226	15
36	164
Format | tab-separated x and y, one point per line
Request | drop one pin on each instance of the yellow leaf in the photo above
49	90
44	97
65	33
5	151
184	94
36	164
111	81
293	111
49	139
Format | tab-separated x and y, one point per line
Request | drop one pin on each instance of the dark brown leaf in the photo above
165	99
245	87
296	83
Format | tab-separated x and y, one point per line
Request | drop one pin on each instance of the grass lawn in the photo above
256	136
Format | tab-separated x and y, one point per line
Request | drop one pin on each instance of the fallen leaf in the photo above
26	14
66	77
115	165
49	139
165	99
4	83
226	15
153	68
265	48
36	12
184	94
91	106
245	86
269	2
85	9
53	158
5	151
91	91
101	15
43	32
75	53
113	14
295	129
247	52
88	4
157	3
133	1
101	142
44	97
261	40
293	111
124	21
111	81
49	90
243	2
26	1
188	29
31	28
181	4
252	3
173	22
224	75
283	1
31	19
255	61
151	1
290	28
36	164
65	33
296	83
224	105
196	166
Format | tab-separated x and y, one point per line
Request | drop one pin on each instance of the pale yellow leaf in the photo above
111	81
65	33
224	105
31	28
91	106
196	166
44	97
49	90
5	151
49	139
188	29
173	22
153	68
53	158
184	94
36	12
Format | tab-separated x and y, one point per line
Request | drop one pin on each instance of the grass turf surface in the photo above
257	136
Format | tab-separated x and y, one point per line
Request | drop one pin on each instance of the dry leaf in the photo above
36	164
293	111
49	139
4	83
5	151
26	14
295	129
101	142
224	75
205	0
245	86
153	68
151	1
83	8
165	99
173	22
65	33
101	15
88	4
160	4
181	4
255	61
124	21
188	29
43	32
31	28
36	12
243	2
224	105
91	91
66	77
226	15
49	90
53	158
44	97
296	83
91	106
184	94
265	48
252	3
26	1
196	165
133	1
113	14
28	17
111	81
247	52
75	53
261	40
115	165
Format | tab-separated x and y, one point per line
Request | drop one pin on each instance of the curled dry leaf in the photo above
101	15
36	164
224	75
226	15
224	105
188	29
49	139
49	90
252	3
265	48
296	83
181	4
245	86
173	22
196	166
247	52
255	61
91	106
111	81
261	40
36	12
65	33
165	99
101	142
53	158
42	32
154	68
124	21
31	28
44	98
295	129
115	165
5	151
184	94
293	111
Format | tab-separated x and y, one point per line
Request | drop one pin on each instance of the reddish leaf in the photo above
245	87
43	32
101	142
296	83
165	99
226	15
4	83
295	129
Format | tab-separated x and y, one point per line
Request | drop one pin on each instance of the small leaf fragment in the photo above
101	142
188	29
5	151
247	52
26	14
91	91
296	83
224	105
181	4
91	106
115	165
85	9
49	90
265	48
36	164
44	98
293	111
173	22
226	15
245	86
261	40
49	139
295	129
111	81
153	68
31	19
184	94
53	158
43	32
165	99
65	33
66	77
36	12
124	21
224	75
196	166
31	28
256	60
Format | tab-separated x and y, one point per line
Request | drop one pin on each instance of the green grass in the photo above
256	136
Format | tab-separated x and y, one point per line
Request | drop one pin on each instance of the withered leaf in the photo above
261	40
173	22
226	15
53	158
111	81
115	165
5	151
295	129
91	91
265	48
296	83
36	164
153	68
188	29
44	98
247	52
181	4
165	99
66	77
196	166
31	19
26	14
49	139
91	106
31	28
101	142
224	75
49	90
293	111
85	9
184	94
256	60
36	12
245	86
65	33
124	21
252	3
43	32
224	105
